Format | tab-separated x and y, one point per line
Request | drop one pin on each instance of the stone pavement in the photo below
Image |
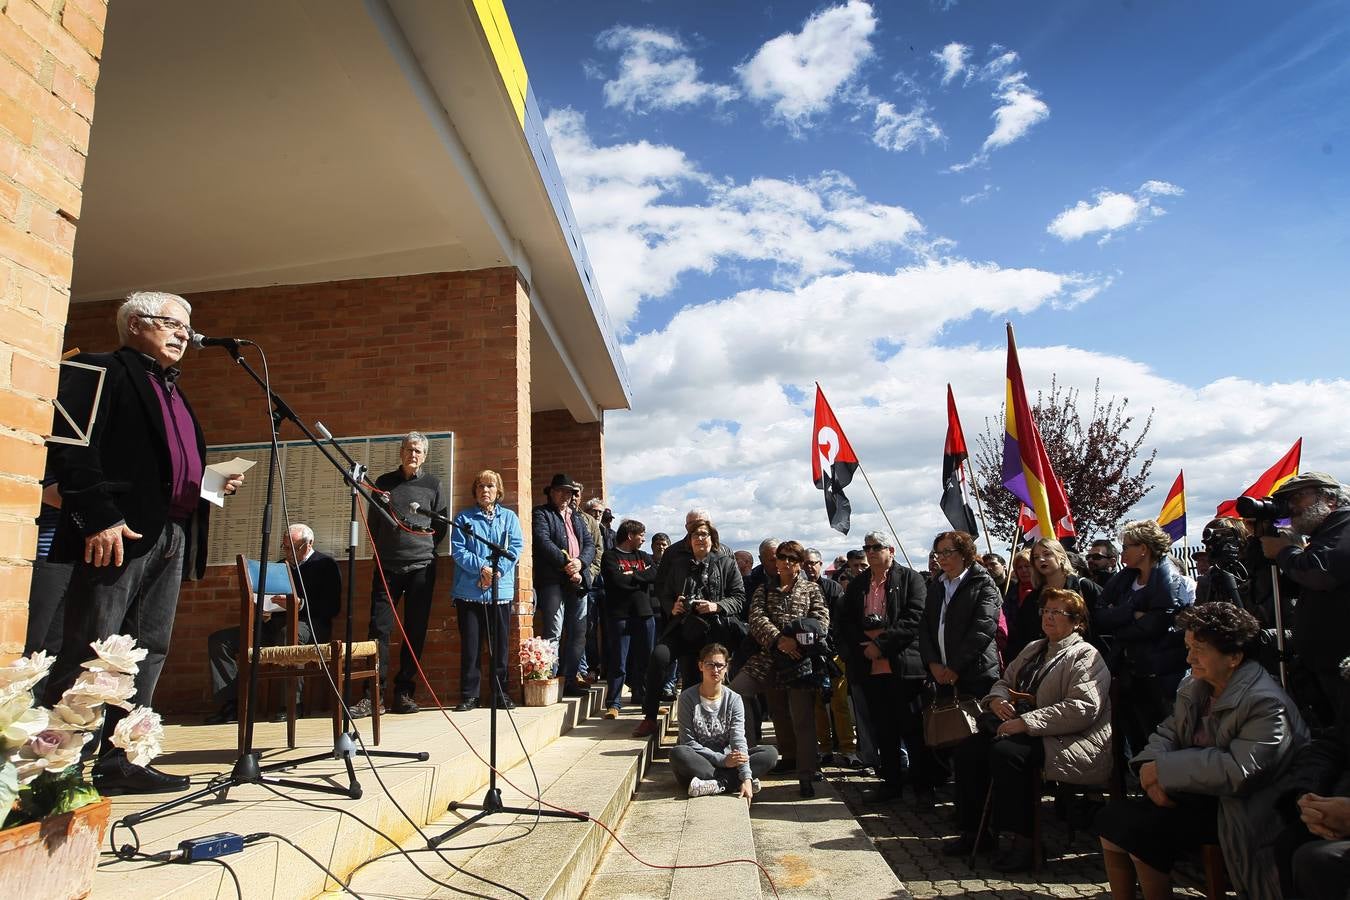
910	842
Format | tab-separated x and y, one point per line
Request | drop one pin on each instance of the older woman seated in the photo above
712	755
1209	768
1053	711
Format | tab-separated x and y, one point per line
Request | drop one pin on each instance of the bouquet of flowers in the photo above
538	659
40	769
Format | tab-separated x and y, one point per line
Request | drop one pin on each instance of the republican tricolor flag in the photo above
1269	482
832	463
1026	467
955	506
1172	519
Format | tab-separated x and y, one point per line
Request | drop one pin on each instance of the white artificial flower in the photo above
77	716
20	675
139	734
116	654
52	750
20	720
95	687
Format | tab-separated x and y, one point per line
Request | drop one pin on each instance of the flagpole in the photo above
984	526
884	516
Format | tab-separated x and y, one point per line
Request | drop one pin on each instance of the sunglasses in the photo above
1099	556
873	548
787	557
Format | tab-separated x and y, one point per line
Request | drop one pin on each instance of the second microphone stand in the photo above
492	799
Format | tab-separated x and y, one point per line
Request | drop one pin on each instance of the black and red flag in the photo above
832	463
955	506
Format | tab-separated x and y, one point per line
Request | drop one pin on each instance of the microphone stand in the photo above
492	799
246	768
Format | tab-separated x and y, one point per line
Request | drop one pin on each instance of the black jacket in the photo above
1025	627
1322	572
905	597
550	546
972	620
628	583
125	474
322	585
721	579
1148	644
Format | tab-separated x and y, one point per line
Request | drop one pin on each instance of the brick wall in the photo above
49	64
577	449
376	356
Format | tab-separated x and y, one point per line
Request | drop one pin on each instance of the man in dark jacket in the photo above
408	564
132	518
1319	508
630	620
878	630
563	553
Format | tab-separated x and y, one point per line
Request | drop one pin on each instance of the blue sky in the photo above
861	194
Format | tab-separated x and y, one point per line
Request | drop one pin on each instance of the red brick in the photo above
34	254
21	457
76	93
24	330
94	10
52	228
83	30
19	498
40	26
20	47
9	201
33	376
16	118
31	415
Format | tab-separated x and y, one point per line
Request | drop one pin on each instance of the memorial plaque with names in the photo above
315	494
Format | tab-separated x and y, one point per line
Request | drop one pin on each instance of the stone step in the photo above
334	836
594	768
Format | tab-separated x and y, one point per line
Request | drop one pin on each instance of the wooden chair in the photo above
291	661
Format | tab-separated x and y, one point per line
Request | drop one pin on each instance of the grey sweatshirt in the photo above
714	734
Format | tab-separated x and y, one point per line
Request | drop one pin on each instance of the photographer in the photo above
1239	574
1318	506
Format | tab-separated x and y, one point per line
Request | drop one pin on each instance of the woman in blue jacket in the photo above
482	608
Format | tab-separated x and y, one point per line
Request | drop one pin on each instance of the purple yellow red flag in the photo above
1268	483
1172	519
832	463
1026	467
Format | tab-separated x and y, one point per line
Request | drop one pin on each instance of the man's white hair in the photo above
306	533
770	543
695	514
145	303
595	503
416	437
879	537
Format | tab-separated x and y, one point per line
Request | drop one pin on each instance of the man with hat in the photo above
1319	507
563	553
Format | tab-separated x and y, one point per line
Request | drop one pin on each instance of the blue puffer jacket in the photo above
503	529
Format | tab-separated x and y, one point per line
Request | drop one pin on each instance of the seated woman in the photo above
712	755
1065	728
1050	568
1209	768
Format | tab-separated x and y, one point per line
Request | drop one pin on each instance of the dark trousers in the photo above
1146	701
793	711
893	714
479	622
222	652
1010	764
138	598
593	661
627	641
47	606
687	764
416	589
667	652
560	615
1321	870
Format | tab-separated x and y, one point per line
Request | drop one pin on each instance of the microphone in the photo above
200	340
416	509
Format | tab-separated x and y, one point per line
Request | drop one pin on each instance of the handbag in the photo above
948	722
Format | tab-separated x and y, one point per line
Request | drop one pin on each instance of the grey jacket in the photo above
1256	730
1073	709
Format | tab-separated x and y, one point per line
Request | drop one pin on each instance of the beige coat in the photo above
1073	710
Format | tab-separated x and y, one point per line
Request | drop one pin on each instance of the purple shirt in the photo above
184	459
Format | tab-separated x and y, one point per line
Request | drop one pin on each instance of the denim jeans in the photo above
633	635
560	615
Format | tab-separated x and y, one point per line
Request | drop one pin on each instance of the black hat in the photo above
1307	480
562	481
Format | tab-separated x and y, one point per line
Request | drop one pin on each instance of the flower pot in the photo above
541	692
54	858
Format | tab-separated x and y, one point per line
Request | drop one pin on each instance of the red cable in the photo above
398	620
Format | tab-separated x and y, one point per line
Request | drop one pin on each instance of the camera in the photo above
873	621
1265	509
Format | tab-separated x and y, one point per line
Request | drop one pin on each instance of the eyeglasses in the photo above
813	563
1099	556
874	548
940	554
787	557
1058	614
701	535
168	323
716	667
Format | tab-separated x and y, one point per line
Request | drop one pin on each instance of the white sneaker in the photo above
755	786
704	787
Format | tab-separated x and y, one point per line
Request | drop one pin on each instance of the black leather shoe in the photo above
963	845
505	702
405	705
1017	858
806	788
113	776
227	713
467	704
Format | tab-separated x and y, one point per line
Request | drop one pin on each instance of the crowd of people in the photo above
1212	710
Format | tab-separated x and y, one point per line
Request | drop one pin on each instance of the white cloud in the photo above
899	131
656	72
800	73
983	193
1020	106
953	58
1111	211
650	214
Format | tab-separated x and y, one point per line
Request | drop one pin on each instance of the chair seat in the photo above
303	654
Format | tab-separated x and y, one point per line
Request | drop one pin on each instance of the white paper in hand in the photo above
216	474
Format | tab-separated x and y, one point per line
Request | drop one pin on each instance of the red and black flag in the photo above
955	506
832	463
